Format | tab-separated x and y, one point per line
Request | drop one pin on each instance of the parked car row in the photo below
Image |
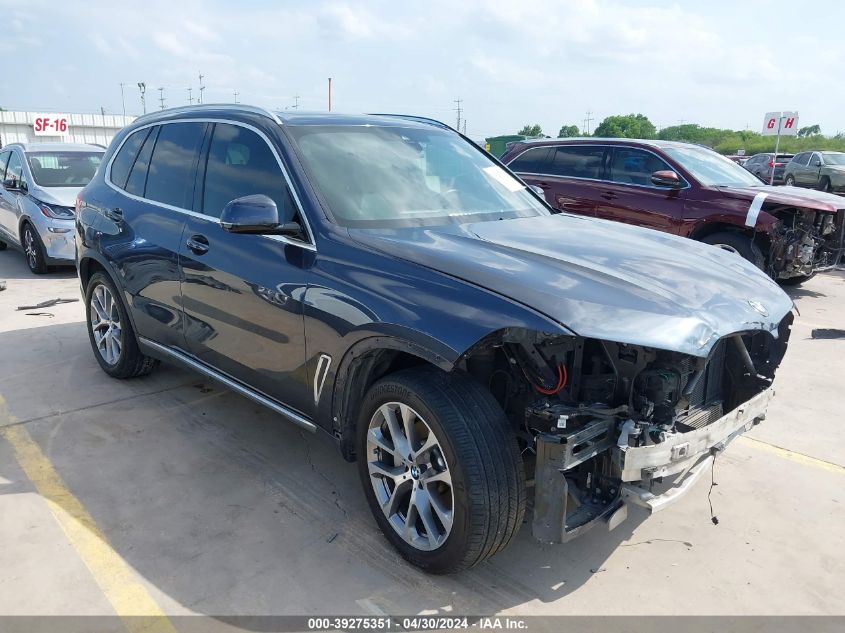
691	191
822	170
468	339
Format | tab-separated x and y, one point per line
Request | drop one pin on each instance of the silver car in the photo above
37	199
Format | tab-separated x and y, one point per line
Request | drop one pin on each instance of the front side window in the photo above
240	163
63	169
577	161
635	166
815	161
4	158
171	173
384	177
14	169
711	169
531	161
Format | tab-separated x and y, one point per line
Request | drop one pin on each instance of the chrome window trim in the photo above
311	245
610	182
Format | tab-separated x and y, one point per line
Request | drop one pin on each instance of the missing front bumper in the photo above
689	454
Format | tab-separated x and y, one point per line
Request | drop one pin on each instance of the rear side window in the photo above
122	163
634	166
240	163
138	176
531	161
171	173
577	161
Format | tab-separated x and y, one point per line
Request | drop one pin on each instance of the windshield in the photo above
63	169
711	169
385	177
834	158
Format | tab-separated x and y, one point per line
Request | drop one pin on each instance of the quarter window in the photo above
171	172
577	161
635	166
122	163
531	161
801	159
240	163
138	176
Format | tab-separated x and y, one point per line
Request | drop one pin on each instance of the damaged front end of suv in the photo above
804	241
601	423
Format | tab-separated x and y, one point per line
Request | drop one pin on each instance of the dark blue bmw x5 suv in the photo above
383	280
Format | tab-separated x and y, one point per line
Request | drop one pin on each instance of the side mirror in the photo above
256	214
666	178
538	190
12	184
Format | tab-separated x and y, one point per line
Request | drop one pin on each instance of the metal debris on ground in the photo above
47	304
46	314
2	285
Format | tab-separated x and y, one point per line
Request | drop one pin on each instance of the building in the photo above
32	127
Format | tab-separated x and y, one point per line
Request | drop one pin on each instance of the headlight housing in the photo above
56	212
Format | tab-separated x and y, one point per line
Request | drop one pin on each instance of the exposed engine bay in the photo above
595	418
804	242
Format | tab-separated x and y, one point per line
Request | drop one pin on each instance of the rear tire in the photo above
739	243
33	250
483	506
790	181
110	331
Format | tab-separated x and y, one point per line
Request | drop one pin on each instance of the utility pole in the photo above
161	97
330	94
236	96
199	98
102	111
587	122
142	87
122	98
465	127
190	98
459	111
295	102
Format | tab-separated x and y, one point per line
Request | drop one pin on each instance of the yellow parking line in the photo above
798	458
120	584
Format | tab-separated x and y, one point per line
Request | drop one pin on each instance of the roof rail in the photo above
218	106
418	119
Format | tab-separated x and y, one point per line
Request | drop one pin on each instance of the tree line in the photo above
722	140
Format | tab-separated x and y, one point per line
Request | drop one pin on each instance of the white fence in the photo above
19	127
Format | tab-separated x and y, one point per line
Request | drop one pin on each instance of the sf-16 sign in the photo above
780	123
51	125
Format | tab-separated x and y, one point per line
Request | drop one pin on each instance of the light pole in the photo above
122	98
143	88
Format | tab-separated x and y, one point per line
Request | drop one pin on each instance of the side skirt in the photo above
164	352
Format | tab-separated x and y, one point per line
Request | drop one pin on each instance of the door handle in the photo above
198	244
115	214
609	195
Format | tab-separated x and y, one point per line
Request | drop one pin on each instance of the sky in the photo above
510	62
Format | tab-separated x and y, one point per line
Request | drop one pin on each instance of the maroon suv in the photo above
691	191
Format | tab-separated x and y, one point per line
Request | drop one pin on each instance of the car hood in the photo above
601	279
787	196
60	196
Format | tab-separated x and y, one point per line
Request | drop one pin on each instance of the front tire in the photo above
796	281
33	250
441	468
738	243
110	331
825	185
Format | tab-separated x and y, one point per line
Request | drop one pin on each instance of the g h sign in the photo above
780	123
